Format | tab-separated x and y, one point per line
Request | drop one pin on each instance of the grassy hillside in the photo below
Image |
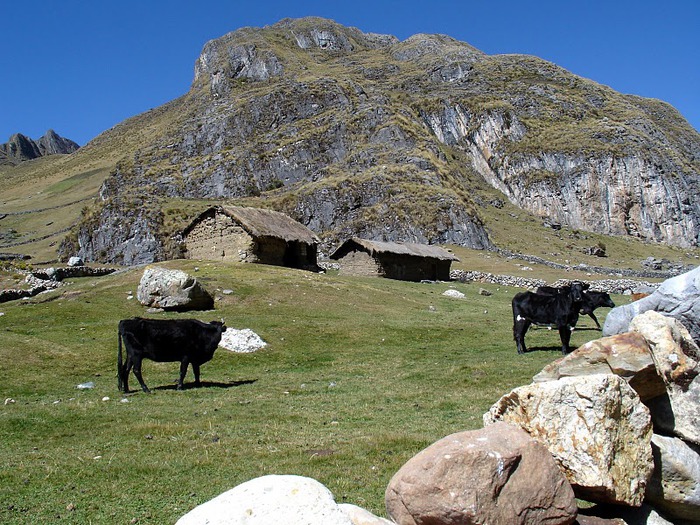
358	376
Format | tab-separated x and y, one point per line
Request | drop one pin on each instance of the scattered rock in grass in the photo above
456	294
241	341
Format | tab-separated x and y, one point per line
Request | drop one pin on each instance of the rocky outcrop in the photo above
20	148
673	487
358	134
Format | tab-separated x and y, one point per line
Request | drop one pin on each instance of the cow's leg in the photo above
137	373
565	335
183	372
520	326
126	370
195	369
592	316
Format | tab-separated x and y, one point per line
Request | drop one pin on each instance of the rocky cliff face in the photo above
360	134
20	148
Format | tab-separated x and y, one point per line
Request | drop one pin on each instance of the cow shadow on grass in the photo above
206	384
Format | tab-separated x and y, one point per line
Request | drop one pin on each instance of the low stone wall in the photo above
612	286
50	279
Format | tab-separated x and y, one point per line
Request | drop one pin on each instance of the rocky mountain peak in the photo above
21	148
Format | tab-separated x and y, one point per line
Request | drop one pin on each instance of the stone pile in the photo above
40	281
615	423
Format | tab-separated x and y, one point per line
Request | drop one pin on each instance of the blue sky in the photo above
80	67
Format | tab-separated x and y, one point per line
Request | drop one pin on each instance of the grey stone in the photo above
678	297
674	488
677	361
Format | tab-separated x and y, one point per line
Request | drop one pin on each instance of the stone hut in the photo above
403	261
233	233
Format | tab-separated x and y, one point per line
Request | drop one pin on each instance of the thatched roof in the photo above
259	222
395	248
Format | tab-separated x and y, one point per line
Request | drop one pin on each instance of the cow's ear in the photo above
586	286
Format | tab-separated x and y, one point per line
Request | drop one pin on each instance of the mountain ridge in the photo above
20	148
361	134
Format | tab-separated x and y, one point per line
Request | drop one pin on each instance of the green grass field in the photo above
358	376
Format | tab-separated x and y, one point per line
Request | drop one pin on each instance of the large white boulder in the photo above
270	500
596	428
172	290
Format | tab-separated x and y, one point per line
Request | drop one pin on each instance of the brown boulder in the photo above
626	355
493	475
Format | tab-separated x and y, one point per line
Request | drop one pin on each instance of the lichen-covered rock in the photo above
626	355
677	360
595	427
172	290
674	487
494	475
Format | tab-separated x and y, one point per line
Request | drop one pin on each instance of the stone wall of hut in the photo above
360	264
394	266
411	268
219	237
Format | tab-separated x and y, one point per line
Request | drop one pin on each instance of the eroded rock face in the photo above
493	475
676	358
172	290
596	428
626	355
397	135
292	500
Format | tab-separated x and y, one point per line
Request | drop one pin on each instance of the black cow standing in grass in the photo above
186	340
591	301
559	309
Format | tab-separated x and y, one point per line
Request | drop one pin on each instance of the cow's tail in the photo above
120	370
